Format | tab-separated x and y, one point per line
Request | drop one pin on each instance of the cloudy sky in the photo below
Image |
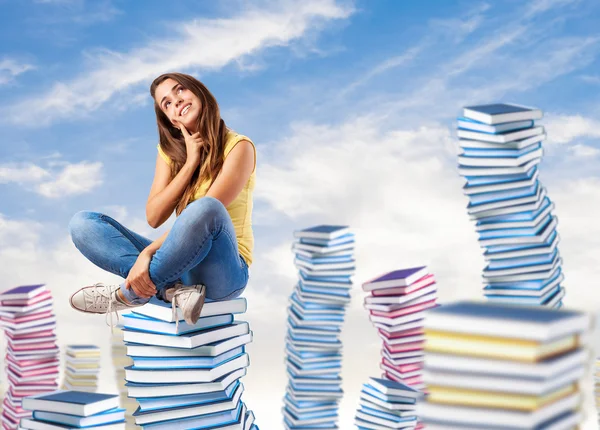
352	105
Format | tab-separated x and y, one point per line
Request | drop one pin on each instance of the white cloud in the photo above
208	44
10	68
22	173
537	7
563	129
59	179
584	151
74	179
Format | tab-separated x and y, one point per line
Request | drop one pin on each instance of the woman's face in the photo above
178	103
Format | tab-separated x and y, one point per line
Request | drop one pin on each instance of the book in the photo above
490	319
72	402
506	137
469	124
327	232
499	113
396	278
161	310
22	292
143	323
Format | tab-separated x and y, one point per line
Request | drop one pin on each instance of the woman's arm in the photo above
236	170
165	193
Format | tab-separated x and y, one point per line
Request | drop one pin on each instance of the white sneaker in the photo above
188	298
99	299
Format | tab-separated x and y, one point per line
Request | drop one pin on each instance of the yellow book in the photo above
84	354
497	347
489	399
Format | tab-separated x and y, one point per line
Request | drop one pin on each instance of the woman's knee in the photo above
81	223
206	208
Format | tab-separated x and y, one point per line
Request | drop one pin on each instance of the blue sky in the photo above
352	105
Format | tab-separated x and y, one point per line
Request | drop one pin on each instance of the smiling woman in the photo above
205	172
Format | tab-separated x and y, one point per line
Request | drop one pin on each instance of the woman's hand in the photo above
193	143
139	277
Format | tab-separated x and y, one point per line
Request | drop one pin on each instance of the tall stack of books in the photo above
60	410
82	368
313	355
188	376
501	148
386	404
120	361
498	366
32	356
397	304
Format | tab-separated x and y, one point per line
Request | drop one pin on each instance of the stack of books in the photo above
63	409
120	361
82	368
188	376
397	304
501	148
386	404
313	354
32	356
498	366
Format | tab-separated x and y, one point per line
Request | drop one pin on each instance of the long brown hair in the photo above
212	130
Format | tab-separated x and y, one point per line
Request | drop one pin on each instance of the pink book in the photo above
403	347
395	335
30	335
405	311
34	346
399	291
38	372
415	380
26	363
403	368
27	302
28	317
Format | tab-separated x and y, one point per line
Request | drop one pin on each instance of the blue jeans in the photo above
201	248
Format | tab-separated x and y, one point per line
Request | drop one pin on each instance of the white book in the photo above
484	208
531	204
539	238
160	310
464	160
159	376
143	323
524	251
499	291
529	276
318	267
467	124
566	422
210	350
462	416
143	390
31	424
510	136
502	383
150	417
515	144
361	419
548	368
475	190
68	402
509	224
189	340
323	250
306	422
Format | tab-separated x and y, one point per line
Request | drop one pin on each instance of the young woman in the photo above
204	172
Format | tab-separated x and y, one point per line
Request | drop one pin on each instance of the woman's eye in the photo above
167	104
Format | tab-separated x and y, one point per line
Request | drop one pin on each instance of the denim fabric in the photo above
201	248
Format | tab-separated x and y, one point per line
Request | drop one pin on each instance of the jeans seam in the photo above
125	233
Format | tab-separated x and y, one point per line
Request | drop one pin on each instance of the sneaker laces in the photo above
178	292
99	295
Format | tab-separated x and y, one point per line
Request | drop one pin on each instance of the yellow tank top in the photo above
240	210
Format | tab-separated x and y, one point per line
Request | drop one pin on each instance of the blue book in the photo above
186	362
326	232
469	124
499	113
161	310
116	415
211	421
150	325
393	388
23	292
169	402
499	179
326	243
500	153
492	319
71	402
